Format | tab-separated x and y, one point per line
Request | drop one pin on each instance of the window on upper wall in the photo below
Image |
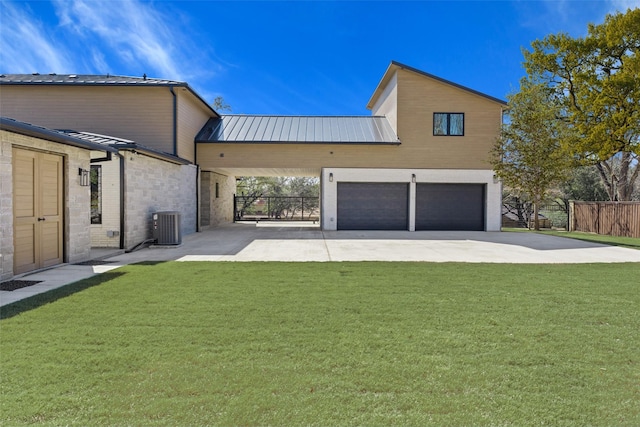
448	124
96	194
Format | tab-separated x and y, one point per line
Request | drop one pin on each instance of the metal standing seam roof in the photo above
96	137
53	79
84	79
29	129
121	144
298	130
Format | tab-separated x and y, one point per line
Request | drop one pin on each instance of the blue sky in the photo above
293	57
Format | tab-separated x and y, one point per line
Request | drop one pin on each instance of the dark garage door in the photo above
373	206
450	206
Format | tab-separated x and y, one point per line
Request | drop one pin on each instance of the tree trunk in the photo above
536	217
626	178
606	179
618	176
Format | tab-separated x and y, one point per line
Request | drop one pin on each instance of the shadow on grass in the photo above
149	263
53	295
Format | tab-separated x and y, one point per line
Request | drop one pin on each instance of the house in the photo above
45	197
419	162
151	122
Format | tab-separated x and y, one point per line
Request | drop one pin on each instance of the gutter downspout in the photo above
122	199
198	185
175	121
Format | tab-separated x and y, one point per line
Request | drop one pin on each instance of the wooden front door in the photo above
37	209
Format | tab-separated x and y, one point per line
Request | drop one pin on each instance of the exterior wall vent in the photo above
166	228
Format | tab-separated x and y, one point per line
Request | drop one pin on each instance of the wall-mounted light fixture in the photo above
496	179
84	177
331	177
413	177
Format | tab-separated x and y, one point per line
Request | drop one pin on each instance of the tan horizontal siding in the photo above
318	156
192	116
419	97
410	100
387	103
141	114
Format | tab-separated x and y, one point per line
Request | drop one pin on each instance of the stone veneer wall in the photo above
205	199
6	206
222	206
153	185
110	206
77	199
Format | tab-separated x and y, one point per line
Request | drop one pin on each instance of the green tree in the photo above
527	156
219	104
309	190
596	79
583	184
286	195
250	189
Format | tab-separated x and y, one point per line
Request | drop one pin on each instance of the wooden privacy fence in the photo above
609	218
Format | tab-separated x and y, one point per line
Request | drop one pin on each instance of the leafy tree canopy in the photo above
596	81
528	155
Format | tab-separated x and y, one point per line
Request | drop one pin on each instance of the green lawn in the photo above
627	242
328	344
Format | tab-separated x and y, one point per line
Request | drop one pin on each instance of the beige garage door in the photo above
37	204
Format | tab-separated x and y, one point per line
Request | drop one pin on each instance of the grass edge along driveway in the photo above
328	344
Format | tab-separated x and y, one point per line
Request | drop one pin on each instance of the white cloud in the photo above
570	16
25	46
140	35
98	62
134	31
103	36
624	5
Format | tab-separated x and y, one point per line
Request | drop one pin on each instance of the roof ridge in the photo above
303	115
85	75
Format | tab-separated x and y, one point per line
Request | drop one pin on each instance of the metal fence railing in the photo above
519	214
276	208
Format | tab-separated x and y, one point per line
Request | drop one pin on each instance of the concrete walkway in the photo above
296	243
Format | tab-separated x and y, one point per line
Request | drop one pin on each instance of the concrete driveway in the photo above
289	242
292	242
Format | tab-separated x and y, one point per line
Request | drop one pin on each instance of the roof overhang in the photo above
306	130
98	81
136	148
395	66
28	129
121	144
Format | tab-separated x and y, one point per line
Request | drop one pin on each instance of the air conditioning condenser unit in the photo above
166	228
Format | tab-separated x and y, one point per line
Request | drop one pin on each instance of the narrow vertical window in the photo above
217	191
96	194
448	124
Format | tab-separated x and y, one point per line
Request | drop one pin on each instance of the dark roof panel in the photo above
94	80
115	143
61	137
96	138
84	79
298	130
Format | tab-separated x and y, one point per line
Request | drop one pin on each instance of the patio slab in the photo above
298	243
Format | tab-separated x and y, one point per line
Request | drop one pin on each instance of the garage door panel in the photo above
450	207
372	206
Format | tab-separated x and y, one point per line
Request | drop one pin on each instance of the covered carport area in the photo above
366	182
